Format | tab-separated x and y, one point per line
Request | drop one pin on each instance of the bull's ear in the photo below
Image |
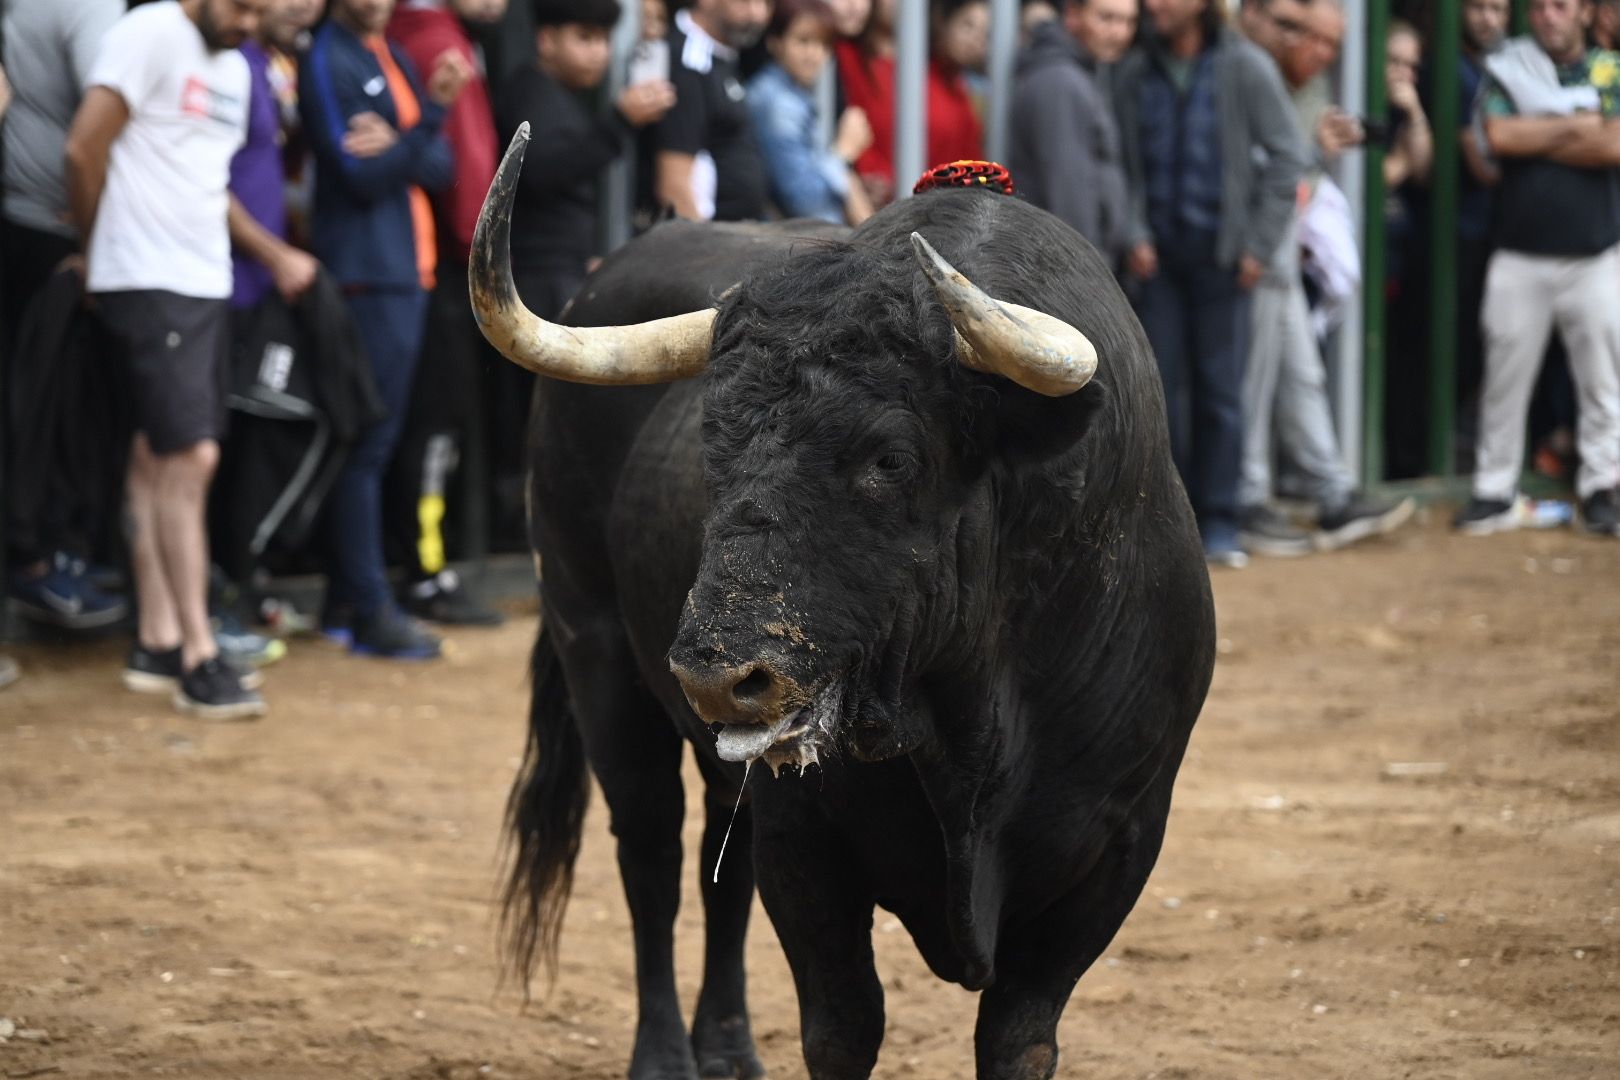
1031	428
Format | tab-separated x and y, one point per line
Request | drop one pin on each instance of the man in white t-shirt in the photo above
148	164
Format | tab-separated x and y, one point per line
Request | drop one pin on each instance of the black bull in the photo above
991	605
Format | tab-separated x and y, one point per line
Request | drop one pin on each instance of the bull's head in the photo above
835	482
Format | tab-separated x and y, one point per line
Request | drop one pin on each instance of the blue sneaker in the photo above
65	596
337	624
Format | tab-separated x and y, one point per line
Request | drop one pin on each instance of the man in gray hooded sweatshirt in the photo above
1064	149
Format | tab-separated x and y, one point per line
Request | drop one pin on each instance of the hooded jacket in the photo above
1064	150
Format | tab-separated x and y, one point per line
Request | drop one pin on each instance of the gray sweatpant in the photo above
1526	296
1285	392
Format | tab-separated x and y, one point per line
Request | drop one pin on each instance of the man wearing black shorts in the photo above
148	164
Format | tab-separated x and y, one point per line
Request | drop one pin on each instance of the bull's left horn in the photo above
650	352
1039	352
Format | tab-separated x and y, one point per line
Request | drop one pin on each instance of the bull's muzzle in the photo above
733	694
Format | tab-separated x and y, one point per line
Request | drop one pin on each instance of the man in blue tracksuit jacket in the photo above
374	130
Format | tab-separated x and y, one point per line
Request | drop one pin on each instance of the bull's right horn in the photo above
1039	352
651	352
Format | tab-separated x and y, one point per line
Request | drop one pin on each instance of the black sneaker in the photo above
157	671
1266	531
1482	517
445	598
1362	516
213	690
1600	513
152	671
392	634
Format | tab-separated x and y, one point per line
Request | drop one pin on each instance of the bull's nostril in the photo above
753	685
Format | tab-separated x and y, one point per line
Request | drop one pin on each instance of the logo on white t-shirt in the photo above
197	98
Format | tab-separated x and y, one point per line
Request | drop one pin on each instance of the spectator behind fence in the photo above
554	219
707	163
1064	144
1407	378
807	178
1285	400
375	132
442	415
50	47
958	43
1212	158
148	162
866	76
1551	114
263	262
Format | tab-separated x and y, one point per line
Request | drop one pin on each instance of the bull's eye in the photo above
892	465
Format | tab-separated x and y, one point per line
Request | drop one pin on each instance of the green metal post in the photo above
1443	240
1372	443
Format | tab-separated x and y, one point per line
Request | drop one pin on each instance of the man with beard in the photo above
706	164
1551	115
374	129
148	161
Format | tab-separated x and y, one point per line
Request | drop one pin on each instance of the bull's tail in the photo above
545	813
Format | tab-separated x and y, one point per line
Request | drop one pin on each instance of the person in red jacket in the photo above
958	41
451	370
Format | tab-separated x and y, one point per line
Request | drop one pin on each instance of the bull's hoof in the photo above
662	1053
725	1050
738	1067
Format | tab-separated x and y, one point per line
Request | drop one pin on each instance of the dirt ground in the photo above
310	896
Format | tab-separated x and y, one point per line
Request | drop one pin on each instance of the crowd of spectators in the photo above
267	206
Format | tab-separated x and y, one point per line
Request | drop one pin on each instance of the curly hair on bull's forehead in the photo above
844	314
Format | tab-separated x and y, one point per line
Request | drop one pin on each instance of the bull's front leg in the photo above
722	1040
1016	1038
822	910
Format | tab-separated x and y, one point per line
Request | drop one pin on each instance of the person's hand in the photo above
75	263
1142	260
854	134
1250	271
451	72
1403	96
293	272
646	102
1337	131
368	135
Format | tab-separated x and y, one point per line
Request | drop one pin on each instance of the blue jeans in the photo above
390	324
1197	320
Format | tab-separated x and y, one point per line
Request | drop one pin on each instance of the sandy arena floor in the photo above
309	897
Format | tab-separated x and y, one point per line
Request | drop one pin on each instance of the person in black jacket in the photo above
554	234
